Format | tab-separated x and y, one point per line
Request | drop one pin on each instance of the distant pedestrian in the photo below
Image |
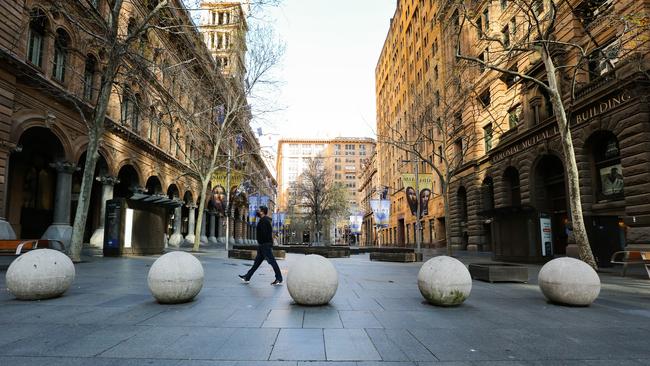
265	247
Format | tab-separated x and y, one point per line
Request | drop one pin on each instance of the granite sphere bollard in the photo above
444	281
569	281
176	277
312	280
40	274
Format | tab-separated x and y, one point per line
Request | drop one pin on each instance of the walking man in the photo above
265	247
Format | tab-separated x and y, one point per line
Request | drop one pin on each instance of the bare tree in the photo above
318	196
128	35
532	39
216	133
110	32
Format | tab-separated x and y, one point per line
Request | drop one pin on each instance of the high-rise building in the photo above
344	159
512	181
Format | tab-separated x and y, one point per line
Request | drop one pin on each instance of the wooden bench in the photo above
627	257
20	246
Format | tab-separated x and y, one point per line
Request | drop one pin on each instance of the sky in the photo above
328	71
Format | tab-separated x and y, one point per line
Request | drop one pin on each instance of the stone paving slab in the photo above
377	318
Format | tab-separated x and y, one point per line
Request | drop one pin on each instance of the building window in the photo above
486	19
514	116
37	27
130	109
590	10
510	79
487	134
89	76
538	7
607	161
485	98
505	37
604	60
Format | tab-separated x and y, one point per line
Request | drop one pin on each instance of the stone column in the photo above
213	239
191	224
6	231
97	240
60	228
177	238
204	227
221	230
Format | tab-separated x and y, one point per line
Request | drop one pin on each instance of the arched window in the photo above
37	28
61	45
89	76
513	189
607	164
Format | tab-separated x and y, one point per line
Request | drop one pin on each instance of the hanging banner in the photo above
425	184
219	178
253	204
381	211
355	224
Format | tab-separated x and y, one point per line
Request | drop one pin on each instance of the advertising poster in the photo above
547	235
421	198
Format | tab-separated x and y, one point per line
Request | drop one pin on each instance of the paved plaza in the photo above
376	318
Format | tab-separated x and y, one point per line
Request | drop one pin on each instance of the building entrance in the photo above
32	182
550	196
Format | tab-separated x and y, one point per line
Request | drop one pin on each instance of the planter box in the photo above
404	257
250	254
498	272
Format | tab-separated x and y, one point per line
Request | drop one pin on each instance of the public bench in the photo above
627	257
20	246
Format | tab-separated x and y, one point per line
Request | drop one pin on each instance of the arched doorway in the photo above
550	197
188	209
487	203
32	182
512	186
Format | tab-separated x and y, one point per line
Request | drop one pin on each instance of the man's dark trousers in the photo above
265	251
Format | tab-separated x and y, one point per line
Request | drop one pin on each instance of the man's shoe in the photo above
276	283
243	278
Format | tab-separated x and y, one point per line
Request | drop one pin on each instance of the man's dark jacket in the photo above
265	231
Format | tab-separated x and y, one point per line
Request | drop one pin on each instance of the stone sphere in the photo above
444	281
312	280
40	274
176	277
569	281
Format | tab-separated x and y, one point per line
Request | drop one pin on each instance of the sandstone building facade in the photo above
513	179
49	71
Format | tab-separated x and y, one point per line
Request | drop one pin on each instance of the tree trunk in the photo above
95	131
83	203
199	223
573	180
445	202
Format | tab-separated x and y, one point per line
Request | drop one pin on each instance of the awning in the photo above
157	199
